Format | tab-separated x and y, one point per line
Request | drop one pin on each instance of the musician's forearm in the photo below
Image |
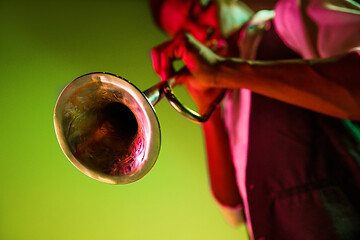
329	86
221	169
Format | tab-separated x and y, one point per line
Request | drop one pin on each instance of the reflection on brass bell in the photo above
108	128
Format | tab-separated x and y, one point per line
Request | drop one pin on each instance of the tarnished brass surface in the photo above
107	128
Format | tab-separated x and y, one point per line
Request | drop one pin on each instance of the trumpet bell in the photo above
107	128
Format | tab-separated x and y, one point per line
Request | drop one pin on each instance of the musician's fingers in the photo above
160	60
164	55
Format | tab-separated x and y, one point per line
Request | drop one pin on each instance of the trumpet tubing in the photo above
108	128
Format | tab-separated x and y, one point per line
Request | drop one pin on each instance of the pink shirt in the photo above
315	29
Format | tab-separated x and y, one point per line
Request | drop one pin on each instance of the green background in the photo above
43	46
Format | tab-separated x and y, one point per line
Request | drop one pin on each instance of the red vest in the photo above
303	173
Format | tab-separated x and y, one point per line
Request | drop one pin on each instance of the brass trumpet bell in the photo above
108	128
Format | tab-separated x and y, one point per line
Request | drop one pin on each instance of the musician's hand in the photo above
201	63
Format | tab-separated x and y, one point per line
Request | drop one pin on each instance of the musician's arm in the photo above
221	170
330	86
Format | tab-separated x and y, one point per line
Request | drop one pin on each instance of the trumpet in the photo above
109	129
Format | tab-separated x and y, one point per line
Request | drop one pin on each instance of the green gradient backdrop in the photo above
43	46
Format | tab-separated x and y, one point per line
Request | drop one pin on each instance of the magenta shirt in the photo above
334	29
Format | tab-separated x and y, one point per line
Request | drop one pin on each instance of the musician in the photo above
283	147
